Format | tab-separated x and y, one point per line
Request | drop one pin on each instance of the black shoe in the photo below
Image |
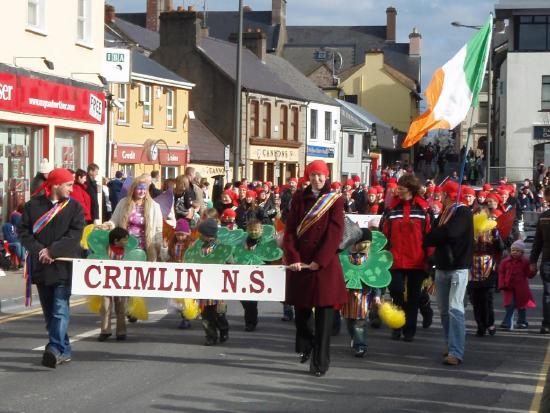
63	359
304	357
103	336
408	339
210	341
480	332
544	330
506	327
427	319
250	327
396	334
319	373
492	330
360	352
49	359
121	337
224	336
132	319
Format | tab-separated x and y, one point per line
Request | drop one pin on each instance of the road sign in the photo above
116	65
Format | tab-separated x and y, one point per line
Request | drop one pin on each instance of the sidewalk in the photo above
12	292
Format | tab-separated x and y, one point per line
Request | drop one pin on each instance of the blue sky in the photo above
432	18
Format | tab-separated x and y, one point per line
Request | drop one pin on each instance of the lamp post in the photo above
238	115
489	100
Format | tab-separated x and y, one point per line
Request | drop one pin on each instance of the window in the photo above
313	125
254	118
295	125
533	33
328	126
83	21
257	171
123	100
169	172
128	169
71	149
266	121
351	99
147	105
170	103
545	104
284	122
36	14
351	144
483	112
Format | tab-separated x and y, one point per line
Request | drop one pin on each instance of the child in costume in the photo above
178	243
228	218
207	249
513	279
118	240
366	271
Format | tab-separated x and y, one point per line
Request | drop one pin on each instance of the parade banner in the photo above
364	221
174	280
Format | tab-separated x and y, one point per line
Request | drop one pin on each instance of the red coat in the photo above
80	195
405	224
513	280
326	286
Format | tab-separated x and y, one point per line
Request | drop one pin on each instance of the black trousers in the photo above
212	321
313	335
482	301
250	312
413	280
545	276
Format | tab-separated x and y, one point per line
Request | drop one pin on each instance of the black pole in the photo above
238	98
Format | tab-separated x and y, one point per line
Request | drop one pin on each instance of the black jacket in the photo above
61	236
542	239
453	241
91	188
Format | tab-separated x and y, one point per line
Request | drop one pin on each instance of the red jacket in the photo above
513	280
405	223
326	286
80	195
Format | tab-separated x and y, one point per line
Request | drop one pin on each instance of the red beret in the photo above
372	191
349	182
259	190
356	178
317	166
466	190
483	194
494	197
229	213
293	180
251	194
269	184
487	187
336	185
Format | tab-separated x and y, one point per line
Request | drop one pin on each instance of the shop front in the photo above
274	164
135	160
43	116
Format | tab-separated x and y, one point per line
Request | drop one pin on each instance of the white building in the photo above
521	127
323	135
52	103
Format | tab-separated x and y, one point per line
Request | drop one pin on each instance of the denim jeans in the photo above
18	250
358	332
451	288
509	315
55	305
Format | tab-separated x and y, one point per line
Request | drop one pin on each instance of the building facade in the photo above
52	103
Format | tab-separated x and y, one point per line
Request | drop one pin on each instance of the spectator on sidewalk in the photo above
92	189
155	179
81	195
115	188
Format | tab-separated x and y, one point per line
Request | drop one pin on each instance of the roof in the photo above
298	81
204	145
257	76
352	42
155	72
145	38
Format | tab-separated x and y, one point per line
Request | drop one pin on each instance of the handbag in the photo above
352	234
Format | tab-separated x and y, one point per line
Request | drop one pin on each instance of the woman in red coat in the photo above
314	230
80	194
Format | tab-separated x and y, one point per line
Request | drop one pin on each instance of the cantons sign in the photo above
170	280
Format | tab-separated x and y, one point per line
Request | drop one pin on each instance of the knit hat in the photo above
467	190
228	213
182	225
482	194
494	197
317	166
372	191
349	182
356	178
487	187
45	166
208	228
336	185
519	245
251	194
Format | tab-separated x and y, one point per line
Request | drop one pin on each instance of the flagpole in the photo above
463	163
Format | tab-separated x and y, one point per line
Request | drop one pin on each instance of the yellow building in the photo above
150	120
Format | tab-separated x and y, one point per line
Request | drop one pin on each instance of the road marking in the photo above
76	338
30	313
539	389
448	404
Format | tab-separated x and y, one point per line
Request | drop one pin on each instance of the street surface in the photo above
160	368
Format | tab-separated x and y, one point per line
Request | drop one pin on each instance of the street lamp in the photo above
49	64
489	99
238	85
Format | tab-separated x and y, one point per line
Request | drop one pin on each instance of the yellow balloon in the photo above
391	315
191	309
137	307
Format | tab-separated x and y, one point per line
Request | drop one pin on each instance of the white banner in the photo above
365	221
170	280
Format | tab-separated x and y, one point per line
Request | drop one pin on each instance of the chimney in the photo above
254	41
391	24
180	29
110	14
415	40
154	8
278	12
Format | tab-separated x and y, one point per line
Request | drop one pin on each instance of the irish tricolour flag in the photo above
454	88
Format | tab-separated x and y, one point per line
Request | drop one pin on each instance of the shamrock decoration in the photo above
374	272
98	241
231	236
266	249
220	254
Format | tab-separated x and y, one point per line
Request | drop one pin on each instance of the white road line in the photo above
76	338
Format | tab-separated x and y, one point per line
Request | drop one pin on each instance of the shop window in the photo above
122	115
83	24
254	118
170	103
295	125
284	122
328	126
36	13
266	120
545	104
15	171
147	100
128	169
169	172
313	125
71	149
